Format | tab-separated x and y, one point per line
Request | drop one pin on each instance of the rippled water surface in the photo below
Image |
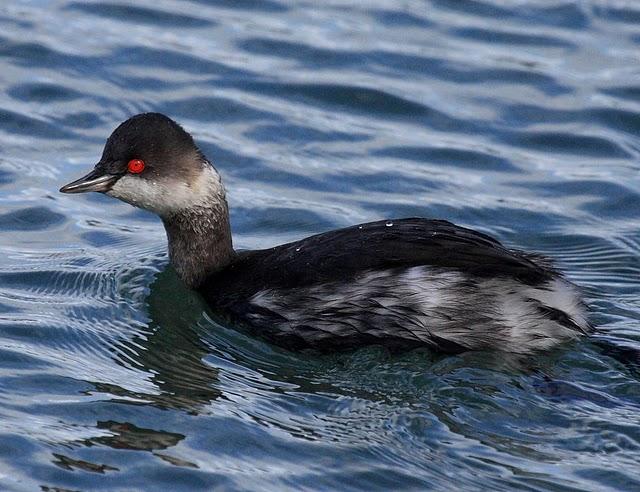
518	118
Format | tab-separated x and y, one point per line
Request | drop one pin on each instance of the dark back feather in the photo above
344	253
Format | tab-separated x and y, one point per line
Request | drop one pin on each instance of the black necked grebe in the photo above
399	283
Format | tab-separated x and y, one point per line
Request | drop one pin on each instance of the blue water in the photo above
520	119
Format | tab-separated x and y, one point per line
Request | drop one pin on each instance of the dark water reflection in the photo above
520	119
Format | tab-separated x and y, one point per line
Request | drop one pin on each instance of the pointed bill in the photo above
96	180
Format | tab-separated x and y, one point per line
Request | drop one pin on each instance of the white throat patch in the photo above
166	196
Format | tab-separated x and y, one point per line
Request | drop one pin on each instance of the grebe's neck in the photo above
199	235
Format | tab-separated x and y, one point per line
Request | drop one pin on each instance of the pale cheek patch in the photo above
154	196
165	197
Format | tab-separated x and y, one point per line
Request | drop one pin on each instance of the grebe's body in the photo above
400	283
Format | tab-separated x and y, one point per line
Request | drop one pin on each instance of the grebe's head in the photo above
151	162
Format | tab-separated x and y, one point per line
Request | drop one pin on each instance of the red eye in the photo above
135	166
